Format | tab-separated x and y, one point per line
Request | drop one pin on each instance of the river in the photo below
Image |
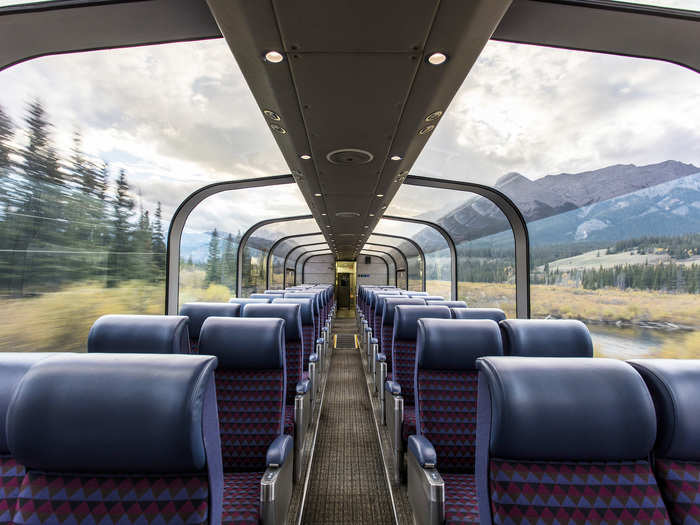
631	342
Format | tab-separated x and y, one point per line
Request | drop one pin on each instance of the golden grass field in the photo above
61	320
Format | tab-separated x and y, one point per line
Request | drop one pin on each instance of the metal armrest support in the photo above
393	408
373	355
426	489
314	376
302	415
276	489
380	379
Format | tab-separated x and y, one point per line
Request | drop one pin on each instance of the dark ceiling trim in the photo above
244	240
177	224
272	249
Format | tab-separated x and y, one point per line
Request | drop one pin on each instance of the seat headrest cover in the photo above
433	298
406	318
418	294
252	343
13	366
274	292
390	304
140	334
581	409
269	298
675	388
313	296
494	314
291	313
379	302
198	312
111	413
307	310
248	300
546	338
456	344
451	304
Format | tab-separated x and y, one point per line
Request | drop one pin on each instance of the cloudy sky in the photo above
179	116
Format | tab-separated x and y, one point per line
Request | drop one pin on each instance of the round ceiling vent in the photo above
349	157
347	214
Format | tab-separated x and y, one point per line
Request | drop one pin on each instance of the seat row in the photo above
528	440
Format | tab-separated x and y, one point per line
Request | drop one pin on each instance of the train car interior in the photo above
346	261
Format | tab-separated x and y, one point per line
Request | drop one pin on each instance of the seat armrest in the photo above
319	341
278	450
392	387
381	357
313	358
425	487
423	450
303	386
374	341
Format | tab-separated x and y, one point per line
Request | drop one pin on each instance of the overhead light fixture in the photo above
317	194
365	226
304	156
324	214
274	56
426	129
278	129
437	59
271	114
380	195
328	225
433	116
396	157
371	214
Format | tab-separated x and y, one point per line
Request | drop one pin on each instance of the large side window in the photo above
97	150
601	153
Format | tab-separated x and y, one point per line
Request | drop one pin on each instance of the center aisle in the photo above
347	483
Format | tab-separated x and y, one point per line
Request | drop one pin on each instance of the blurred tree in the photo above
213	274
118	265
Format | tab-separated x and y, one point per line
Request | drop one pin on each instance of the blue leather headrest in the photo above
140	334
291	313
274	292
546	338
111	413
494	314
456	344
248	300
390	304
675	388
418	294
13	366
307	309
252	343
269	298
451	304
433	298
378	304
557	409
299	295
406	318
198	312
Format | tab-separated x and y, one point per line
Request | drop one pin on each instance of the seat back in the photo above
378	308
250	386
579	430
104	437
307	325
451	304
446	385
387	327
248	300
291	314
140	334
494	314
317	307
403	353
198	312
269	298
675	388
13	366
546	338
433	298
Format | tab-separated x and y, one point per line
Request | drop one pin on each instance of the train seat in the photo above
383	359
117	438
546	338
297	409
418	294
451	304
140	334
441	455
250	390
13	366
495	314
675	388
565	440
317	307
198	312
269	298
433	298
248	300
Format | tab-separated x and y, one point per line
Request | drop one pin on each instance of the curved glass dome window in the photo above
601	154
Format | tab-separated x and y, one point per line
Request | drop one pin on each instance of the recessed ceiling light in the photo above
380	195
328	225
274	56
365	226
317	194
433	116
304	156
396	157
278	129
371	214
437	59
271	114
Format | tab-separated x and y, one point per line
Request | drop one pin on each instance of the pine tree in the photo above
228	262
6	133
121	233
213	274
158	246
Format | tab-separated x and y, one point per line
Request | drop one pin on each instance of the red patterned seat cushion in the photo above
679	482
45	498
408	426
447	404
307	334
619	492
241	497
386	341
461	505
293	350
289	420
403	354
11	476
